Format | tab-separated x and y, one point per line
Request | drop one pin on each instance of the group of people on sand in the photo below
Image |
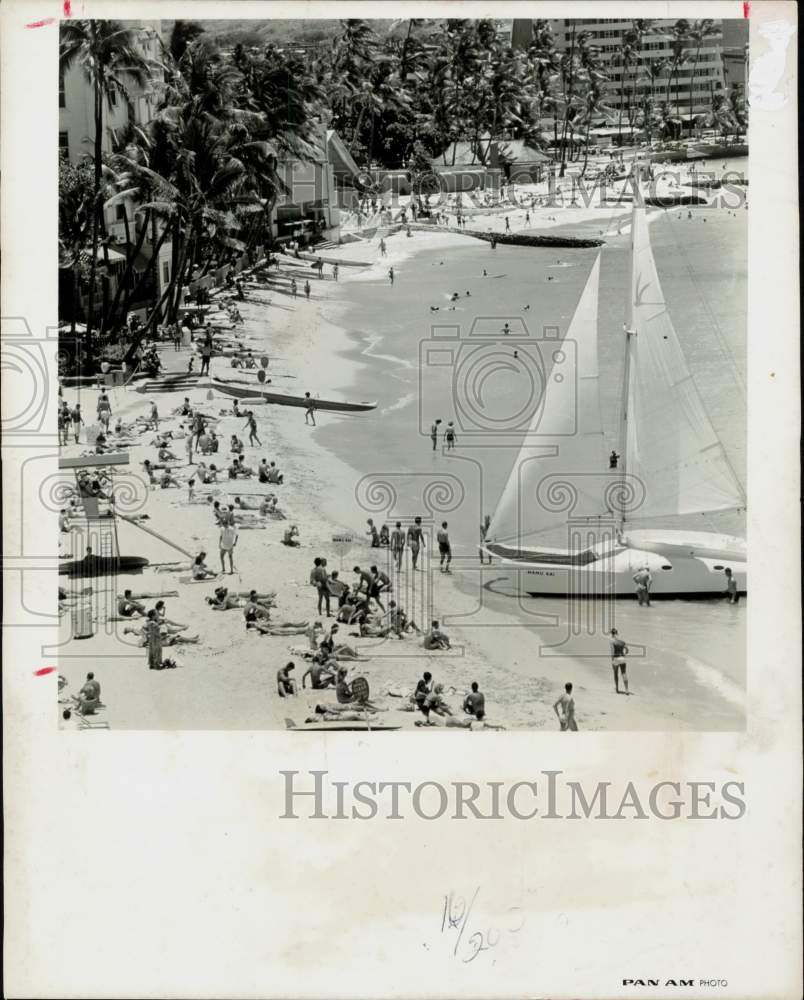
413	540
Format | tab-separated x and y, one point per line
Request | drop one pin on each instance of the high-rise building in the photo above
76	142
689	88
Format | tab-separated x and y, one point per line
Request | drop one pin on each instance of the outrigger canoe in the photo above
102	565
253	391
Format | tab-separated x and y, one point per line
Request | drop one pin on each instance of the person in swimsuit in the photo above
415	540
380	583
619	651
285	685
564	707
309	411
731	587
398	545
391	275
77	419
643	581
444	549
422	693
251	424
434	433
373	533
475	703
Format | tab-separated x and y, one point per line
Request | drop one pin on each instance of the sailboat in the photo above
671	464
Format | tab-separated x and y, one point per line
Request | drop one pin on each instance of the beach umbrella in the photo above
264	361
260	376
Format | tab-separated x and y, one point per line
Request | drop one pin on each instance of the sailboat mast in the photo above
629	333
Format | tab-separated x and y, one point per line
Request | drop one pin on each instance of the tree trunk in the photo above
124	285
93	264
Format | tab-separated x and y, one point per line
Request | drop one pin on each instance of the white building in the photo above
76	142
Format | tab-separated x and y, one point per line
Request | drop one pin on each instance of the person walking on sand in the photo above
226	543
507	225
434	433
564	707
619	651
77	420
293	287
382	248
153	417
188	444
731	587
398	545
449	436
251	423
391	275
104	411
643	581
319	578
335	271
614	458
309	411
415	540
444	549
307	290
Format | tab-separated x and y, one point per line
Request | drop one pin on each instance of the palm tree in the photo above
75	224
698	32
679	38
634	40
107	53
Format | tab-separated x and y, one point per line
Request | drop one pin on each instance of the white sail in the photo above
670	444
564	444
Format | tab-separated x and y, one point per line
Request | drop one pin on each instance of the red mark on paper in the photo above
67	10
43	671
41	24
746	9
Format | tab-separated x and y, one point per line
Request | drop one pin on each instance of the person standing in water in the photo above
449	436
293	287
391	275
643	581
564	707
614	458
619	651
731	587
415	540
307	290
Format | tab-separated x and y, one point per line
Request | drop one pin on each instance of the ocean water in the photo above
413	361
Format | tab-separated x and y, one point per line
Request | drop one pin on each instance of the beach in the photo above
361	338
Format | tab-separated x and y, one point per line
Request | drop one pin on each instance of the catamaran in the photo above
671	463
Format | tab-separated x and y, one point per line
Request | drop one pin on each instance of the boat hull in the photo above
690	566
250	391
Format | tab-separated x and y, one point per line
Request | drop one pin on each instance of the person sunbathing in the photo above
400	623
268	508
346	697
285	685
435	639
241	504
166	455
274	475
320	677
167	637
199	569
167	480
338	650
280	628
290	538
254	611
161	617
237	468
236	445
223	600
129	608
